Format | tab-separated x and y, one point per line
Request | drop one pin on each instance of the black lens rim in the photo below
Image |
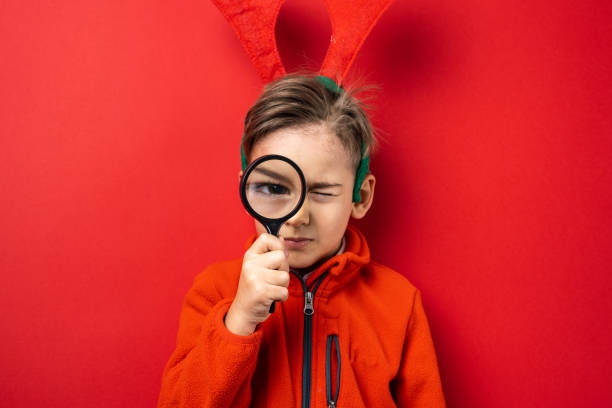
270	222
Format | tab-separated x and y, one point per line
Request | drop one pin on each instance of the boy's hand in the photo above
264	278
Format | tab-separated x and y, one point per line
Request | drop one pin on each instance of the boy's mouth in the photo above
296	242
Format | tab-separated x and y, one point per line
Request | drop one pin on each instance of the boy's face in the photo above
316	230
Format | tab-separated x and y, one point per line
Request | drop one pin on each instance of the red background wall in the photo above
119	130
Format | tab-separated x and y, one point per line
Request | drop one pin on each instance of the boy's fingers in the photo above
277	278
273	260
265	243
284	266
279	293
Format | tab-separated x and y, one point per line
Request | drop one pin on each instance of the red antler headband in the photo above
254	21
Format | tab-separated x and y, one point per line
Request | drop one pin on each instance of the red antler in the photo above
352	21
254	21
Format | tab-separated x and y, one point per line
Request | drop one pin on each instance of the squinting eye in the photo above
323	194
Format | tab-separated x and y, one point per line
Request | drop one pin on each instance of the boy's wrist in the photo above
236	325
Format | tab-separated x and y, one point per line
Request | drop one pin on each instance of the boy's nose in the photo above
301	217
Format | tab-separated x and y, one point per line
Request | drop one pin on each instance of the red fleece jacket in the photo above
385	358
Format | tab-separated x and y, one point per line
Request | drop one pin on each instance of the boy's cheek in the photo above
334	219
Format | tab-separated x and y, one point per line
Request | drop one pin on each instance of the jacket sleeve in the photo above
211	366
417	383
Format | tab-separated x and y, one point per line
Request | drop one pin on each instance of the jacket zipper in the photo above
332	401
307	355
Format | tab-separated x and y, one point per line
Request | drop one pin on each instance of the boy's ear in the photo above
240	173
366	194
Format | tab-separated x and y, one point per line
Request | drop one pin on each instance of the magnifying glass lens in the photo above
273	189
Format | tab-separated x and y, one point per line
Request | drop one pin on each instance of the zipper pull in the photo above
332	404
308	306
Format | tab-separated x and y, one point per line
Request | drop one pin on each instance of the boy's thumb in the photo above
285	250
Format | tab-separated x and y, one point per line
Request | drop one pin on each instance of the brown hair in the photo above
297	100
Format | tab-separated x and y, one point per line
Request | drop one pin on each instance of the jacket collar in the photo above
342	267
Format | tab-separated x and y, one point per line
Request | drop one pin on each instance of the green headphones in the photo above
364	163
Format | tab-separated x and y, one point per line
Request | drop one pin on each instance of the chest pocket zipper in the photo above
332	398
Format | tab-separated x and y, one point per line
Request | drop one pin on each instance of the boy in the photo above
346	331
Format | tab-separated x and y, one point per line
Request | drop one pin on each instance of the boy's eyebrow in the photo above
272	174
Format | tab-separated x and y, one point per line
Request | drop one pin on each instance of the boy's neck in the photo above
306	271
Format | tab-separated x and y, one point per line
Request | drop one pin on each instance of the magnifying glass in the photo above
272	190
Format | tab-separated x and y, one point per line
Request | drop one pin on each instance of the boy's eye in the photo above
322	194
270	189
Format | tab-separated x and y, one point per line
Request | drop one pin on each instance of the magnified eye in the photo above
270	189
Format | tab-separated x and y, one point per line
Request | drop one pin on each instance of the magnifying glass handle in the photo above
272	306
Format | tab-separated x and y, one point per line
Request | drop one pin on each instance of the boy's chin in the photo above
299	265
300	261
303	263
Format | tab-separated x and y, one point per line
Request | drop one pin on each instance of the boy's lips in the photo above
296	242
